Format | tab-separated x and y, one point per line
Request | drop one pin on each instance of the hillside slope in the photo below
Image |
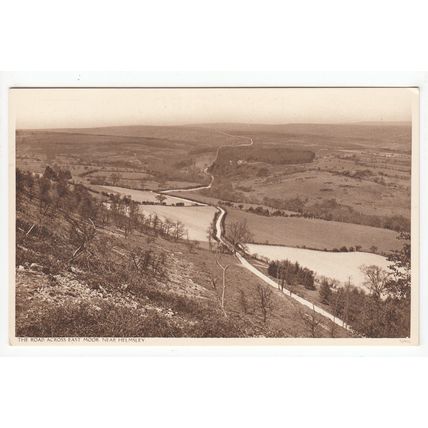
81	273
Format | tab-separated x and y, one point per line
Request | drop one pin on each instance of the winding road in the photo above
208	186
244	262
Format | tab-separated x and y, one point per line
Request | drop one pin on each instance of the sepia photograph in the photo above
233	216
213	211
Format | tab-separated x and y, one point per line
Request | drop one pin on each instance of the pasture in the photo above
367	188
314	233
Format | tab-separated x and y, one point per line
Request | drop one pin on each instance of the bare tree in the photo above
81	234
193	246
243	300
224	268
265	300
213	280
44	195
347	288
132	217
280	276
311	320
115	177
178	230
210	236
161	198
168	226
238	233
376	280
146	260
332	329
156	222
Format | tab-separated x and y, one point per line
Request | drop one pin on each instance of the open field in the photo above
377	198
196	219
143	196
314	233
339	266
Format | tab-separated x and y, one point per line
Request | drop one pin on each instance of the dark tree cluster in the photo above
57	174
291	274
272	155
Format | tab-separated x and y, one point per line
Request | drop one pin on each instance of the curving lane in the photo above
244	262
193	189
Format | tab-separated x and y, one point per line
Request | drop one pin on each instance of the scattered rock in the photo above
36	267
169	313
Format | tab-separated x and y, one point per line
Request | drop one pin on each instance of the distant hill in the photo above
383	135
166	134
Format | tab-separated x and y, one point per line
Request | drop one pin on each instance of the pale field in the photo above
143	195
196	219
339	266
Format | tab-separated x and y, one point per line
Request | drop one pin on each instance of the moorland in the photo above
335	188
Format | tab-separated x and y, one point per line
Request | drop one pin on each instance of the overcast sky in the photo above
58	108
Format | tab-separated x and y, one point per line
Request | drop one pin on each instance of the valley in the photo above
329	199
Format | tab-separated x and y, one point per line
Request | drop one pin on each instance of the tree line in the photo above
331	210
272	155
54	192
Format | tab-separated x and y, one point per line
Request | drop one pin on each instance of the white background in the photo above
234	42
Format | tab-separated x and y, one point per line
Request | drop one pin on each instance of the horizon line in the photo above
361	122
